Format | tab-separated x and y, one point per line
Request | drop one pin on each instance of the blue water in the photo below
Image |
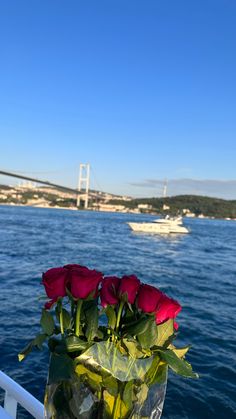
198	269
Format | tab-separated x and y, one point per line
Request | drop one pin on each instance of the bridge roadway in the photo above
44	182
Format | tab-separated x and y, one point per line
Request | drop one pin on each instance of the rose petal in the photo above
109	291
148	298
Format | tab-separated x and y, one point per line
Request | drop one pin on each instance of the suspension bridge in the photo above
82	193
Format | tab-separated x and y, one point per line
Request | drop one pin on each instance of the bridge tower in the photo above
83	185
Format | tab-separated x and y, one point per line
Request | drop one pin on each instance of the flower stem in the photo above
119	315
78	314
61	322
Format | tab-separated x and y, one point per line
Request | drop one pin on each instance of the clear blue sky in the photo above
143	90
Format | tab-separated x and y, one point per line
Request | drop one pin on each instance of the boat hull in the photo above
158	228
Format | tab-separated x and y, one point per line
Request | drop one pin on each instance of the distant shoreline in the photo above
192	206
37	206
111	212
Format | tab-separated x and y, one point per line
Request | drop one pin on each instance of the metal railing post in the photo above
10	404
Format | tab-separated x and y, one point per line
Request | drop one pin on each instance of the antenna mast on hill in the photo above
83	185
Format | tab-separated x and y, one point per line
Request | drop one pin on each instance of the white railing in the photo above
15	394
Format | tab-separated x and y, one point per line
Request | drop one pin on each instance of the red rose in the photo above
83	281
129	285
167	309
72	266
109	290
54	281
148	298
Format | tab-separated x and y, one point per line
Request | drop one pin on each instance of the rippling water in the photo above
198	269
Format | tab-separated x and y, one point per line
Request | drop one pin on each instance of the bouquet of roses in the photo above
111	343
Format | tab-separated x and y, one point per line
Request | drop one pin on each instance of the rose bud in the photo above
83	281
148	298
54	281
167	309
129	286
109	290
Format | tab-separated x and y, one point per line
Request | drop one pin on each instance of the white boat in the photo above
167	225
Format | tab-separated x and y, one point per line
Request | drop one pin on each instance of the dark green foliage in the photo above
211	207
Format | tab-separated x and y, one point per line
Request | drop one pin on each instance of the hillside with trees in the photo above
210	207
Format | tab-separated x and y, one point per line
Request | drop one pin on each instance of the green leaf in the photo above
39	340
111	384
164	332
128	394
161	374
111	315
149	377
180	352
137	328
180	366
61	368
148	338
74	343
91	316
28	348
133	348
36	342
47	322
157	373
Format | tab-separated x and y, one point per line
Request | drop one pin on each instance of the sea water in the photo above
197	269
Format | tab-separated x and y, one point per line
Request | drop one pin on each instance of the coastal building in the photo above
145	207
110	207
188	213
